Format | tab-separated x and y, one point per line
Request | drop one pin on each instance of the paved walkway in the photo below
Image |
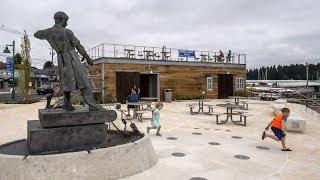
213	160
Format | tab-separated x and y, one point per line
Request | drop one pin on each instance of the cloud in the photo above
269	32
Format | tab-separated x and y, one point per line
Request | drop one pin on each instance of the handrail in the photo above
162	53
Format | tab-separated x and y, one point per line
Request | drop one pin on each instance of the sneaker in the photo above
158	134
286	149
148	129
263	135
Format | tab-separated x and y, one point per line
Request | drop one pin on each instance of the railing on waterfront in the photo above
163	53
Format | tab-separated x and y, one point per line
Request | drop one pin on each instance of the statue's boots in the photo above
49	97
67	102
88	99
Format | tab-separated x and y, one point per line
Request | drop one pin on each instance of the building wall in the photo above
185	81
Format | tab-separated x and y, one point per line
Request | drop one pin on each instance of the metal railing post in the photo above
102	49
98	51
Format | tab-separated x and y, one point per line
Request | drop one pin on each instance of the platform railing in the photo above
162	54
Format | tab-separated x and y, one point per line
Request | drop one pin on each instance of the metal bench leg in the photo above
222	122
245	121
191	110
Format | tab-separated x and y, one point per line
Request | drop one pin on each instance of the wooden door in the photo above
225	86
125	82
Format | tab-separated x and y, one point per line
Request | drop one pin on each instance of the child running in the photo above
277	126
155	122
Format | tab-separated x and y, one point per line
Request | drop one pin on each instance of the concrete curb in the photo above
107	163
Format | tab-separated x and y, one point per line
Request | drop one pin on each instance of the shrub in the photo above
242	93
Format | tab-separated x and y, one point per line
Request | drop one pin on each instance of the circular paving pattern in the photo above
214	143
243	157
263	147
172	138
236	137
197	133
198	178
177	154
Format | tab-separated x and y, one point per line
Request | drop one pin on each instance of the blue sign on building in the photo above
10	65
186	53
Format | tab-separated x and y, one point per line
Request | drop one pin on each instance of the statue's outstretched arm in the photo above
76	43
41	34
84	53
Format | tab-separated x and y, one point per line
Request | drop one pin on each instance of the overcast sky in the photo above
269	32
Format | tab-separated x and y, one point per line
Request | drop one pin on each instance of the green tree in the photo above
17	58
25	75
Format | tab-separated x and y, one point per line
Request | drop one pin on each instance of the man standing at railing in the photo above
71	72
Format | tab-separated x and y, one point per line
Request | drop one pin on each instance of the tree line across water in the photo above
293	71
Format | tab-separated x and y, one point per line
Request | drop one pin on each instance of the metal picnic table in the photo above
200	101
136	109
149	100
236	99
230	113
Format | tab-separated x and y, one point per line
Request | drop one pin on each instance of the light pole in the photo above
307	75
6	50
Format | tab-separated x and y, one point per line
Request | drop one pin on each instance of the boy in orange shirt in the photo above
277	126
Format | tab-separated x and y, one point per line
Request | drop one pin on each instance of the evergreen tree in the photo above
293	71
25	76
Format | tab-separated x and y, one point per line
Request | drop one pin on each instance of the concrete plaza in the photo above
209	150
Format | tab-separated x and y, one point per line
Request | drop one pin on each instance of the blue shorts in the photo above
278	132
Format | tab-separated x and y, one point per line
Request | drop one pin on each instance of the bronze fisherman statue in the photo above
71	71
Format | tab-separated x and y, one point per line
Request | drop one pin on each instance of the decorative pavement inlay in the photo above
197	133
198	178
214	143
228	130
206	129
172	138
236	137
263	147
177	154
217	129
243	157
196	128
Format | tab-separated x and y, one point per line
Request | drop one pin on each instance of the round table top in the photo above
228	105
202	100
137	103
149	98
236	97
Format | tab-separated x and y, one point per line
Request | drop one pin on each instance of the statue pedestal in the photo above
59	130
42	140
80	116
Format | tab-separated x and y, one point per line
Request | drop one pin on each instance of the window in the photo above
239	83
209	83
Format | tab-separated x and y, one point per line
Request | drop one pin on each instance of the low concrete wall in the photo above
107	163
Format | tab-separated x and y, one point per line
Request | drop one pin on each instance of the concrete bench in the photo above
244	105
295	123
244	117
210	107
276	108
217	114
